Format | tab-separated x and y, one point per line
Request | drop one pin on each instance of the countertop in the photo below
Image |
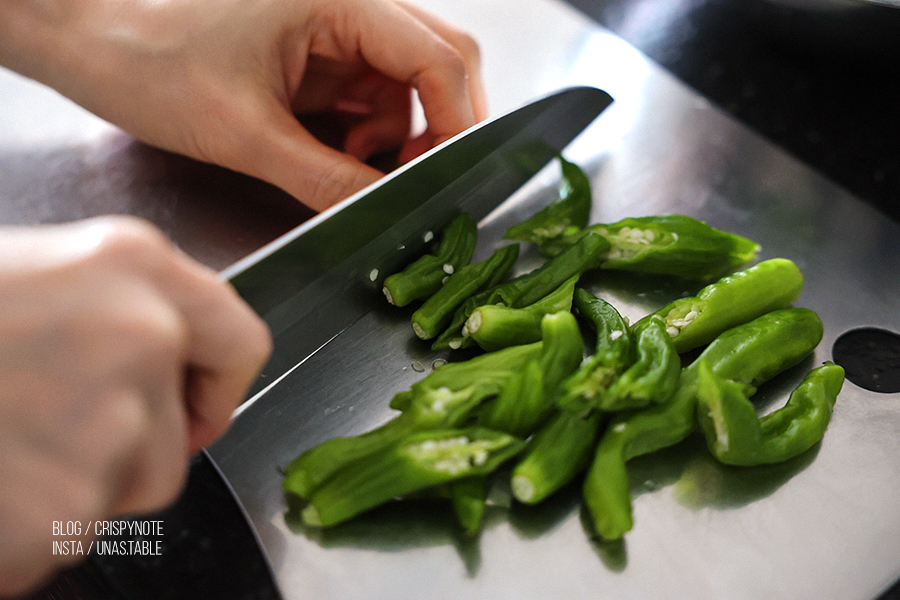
822	85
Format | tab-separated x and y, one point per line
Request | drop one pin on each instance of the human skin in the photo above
120	358
223	80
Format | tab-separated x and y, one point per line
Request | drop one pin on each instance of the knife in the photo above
323	279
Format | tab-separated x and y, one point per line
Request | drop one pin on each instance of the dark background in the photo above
822	84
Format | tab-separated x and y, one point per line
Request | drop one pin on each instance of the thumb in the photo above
290	157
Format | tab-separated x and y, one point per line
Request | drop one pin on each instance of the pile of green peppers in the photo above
537	408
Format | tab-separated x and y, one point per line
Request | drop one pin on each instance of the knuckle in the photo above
127	238
338	181
453	60
468	47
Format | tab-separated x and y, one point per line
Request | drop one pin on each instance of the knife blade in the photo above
324	278
317	279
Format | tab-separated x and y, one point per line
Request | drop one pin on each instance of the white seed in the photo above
387	294
444	280
620	427
614	335
672	331
373	275
448	269
429	235
455	344
474	322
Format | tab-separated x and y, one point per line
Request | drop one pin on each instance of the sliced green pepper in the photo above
420	461
529	396
492	369
615	351
770	285
746	355
424	277
653	377
527	289
667	245
556	454
436	313
469	496
567	214
437	408
494	326
737	436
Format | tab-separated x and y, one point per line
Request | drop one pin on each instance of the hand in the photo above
120	357
222	80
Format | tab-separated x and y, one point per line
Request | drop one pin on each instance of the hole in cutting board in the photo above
870	357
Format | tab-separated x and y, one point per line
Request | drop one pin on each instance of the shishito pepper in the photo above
557	453
436	313
653	377
666	245
529	396
433	408
566	215
746	355
770	285
493	326
584	255
424	277
469	497
563	448
492	369
614	352
737	436
419	461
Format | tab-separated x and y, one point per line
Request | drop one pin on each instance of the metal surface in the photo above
824	526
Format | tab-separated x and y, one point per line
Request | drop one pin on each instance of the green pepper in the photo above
667	245
568	214
469	496
653	377
584	255
747	355
614	352
754	352
494	326
435	314
529	396
770	285
420	461
492	369
737	436
557	453
425	276
437	408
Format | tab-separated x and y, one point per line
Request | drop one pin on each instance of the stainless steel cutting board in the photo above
826	525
